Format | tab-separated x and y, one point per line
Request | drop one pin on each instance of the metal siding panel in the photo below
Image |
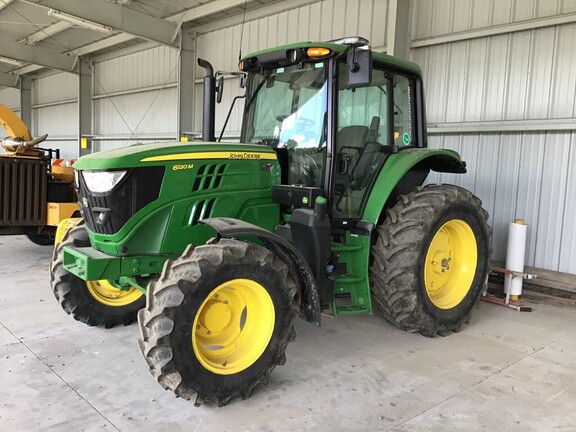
461	15
568	242
351	13
327	14
338	19
519	60
379	17
563	92
486	172
10	97
54	88
553	186
546	8
475	78
143	113
315	23
152	67
523	9
540	73
495	82
501	11
456	73
568	6
506	191
437	83
441	17
529	181
481	13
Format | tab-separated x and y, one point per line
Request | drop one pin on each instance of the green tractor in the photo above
217	248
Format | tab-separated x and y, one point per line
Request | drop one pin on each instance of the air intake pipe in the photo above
12	144
209	111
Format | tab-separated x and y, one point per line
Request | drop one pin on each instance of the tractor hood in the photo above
171	153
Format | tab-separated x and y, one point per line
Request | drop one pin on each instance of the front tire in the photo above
430	261
95	303
218	321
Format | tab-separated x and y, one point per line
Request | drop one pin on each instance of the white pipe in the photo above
515	256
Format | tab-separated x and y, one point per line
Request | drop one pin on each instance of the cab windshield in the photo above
286	109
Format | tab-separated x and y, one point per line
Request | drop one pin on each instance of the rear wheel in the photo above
218	321
430	261
96	303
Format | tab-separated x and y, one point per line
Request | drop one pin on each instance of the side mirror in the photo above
219	89
359	68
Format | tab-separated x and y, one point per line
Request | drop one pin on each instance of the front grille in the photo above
23	186
107	213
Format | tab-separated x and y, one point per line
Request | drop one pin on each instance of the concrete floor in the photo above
505	371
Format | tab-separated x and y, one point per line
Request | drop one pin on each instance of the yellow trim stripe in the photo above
212	155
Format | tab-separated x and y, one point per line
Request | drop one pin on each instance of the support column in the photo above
186	77
85	107
399	32
26	102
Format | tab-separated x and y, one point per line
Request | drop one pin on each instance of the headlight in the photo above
102	181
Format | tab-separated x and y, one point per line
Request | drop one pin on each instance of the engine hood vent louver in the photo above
209	177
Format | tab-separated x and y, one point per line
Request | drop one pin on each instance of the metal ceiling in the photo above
38	34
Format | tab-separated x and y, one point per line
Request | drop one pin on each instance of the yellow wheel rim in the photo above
108	294
450	264
233	326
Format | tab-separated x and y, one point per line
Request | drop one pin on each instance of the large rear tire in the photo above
218	321
430	261
95	303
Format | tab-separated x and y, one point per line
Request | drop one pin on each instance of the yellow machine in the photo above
35	194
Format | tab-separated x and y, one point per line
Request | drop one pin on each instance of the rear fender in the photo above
403	172
310	308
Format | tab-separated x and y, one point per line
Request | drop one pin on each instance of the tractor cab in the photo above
333	112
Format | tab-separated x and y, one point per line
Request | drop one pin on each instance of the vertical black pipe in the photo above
209	110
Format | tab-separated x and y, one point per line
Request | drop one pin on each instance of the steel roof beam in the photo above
38	56
189	15
119	18
4	3
46	32
8	80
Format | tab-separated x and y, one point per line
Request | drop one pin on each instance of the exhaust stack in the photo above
209	111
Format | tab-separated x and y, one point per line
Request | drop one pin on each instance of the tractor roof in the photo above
338	48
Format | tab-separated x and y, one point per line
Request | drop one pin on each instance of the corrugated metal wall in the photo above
523	77
55	112
10	97
135	98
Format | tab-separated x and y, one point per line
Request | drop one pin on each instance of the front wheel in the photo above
430	261
218	321
96	303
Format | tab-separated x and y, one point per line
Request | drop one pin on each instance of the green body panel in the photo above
356	252
238	186
355	284
132	156
395	167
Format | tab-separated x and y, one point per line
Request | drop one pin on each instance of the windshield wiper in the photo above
264	81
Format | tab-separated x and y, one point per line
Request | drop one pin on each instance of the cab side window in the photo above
404	128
